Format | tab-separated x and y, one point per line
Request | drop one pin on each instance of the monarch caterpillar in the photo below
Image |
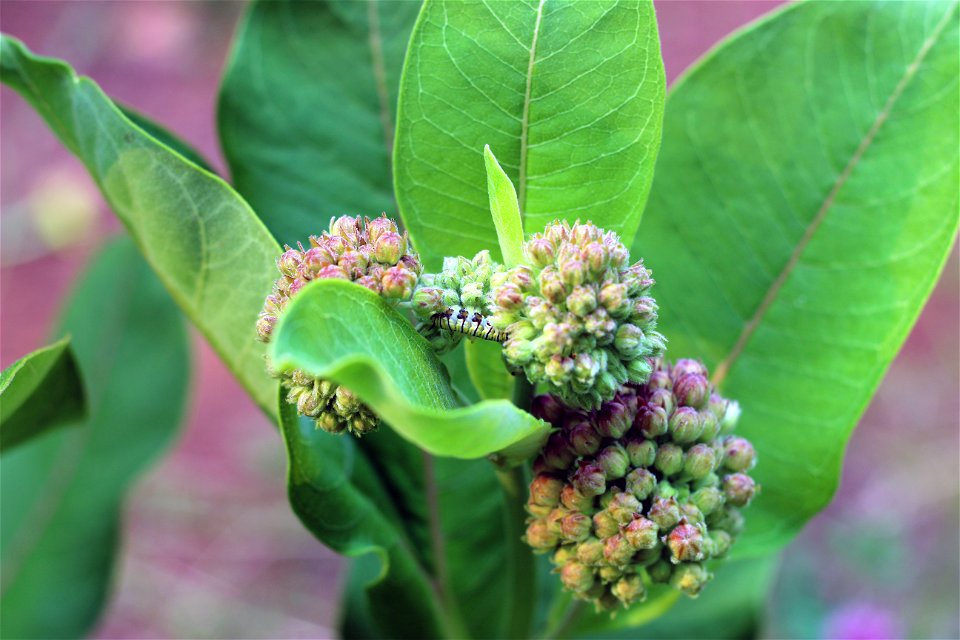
476	326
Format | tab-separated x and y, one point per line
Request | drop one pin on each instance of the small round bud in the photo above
617	551
685	425
389	247
699	461
665	512
545	490
652	420
641	482
686	543
576	576
684	366
428	300
590	551
726	519
738	454
710	426
331	271
613	420
345	227
289	263
584	439
265	325
707	499
556	453
308	404
690	513
669	459
690	577
573	500
692	390
739	489
589	479
660	571
604	524
730	417
661	398
575	527
398	283
629	341
379	226
614	461
642	452
581	301
641	533
548	408
540	252
624	507
629	589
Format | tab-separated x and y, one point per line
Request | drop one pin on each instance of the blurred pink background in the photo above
212	549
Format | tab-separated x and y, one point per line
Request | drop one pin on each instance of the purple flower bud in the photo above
379	226
699	461
557	453
692	390
642	453
573	500
545	490
584	439
690	577
590	551
739	489
665	512
353	262
589	479
641	533
629	589
738	454
613	420
314	260
669	459
522	276
614	461
389	247
641	482
548	408
652	420
617	551
331	271
572	272
539	537
604	524
707	499
576	577
575	527
685	425
684	366
398	283
662	398
686	543
540	252
659	379
370	283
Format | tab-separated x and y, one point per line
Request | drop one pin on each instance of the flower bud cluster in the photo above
643	490
579	318
372	253
454	302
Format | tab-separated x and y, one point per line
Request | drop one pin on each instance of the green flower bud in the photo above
727	519
589	479
573	500
564	554
699	461
707	499
730	417
665	512
624	507
720	542
590	552
690	513
540	252
641	533
545	490
428	300
604	524
629	341
690	577
582	301
711	428
660	571
614	462
662	398
379	226
642	452
686	543
575	527
608	573
577	577
739	489
641	482
617	551
738	454
669	459
685	425
629	589
652	420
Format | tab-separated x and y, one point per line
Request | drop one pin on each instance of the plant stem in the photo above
522	594
563	625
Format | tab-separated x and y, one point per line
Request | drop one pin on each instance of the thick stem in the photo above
522	592
561	626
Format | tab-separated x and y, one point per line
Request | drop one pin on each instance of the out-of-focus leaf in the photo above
505	210
307	109
805	200
487	372
203	241
61	494
38	392
333	490
569	94
340	331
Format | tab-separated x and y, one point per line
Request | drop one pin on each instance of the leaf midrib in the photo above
525	118
723	368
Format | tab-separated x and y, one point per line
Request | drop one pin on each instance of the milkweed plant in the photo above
553	351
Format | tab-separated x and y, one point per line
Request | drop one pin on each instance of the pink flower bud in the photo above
545	490
692	390
589	479
738	454
641	533
398	283
379	226
289	263
739	489
389	247
686	543
540	252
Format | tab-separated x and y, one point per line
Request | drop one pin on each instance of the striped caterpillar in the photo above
477	326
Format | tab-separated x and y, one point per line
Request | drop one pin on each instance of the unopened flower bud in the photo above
684	366
665	512
659	379
509	297
685	542
613	420
690	513
692	390
720	542
641	533
572	273
573	500
584	439
660	571
617	551
428	299
730	417
590	551
662	398
614	461
604	524
652	420
710	426
699	461
739	489
289	263
346	227
582	301
726	519
589	479
685	425
576	576
548	408
331	272
308	404
389	247
540	251
738	454
575	527
265	325
629	341
641	482
642	453
690	577
557	453
398	283
624	507
707	499
669	459
545	490
629	589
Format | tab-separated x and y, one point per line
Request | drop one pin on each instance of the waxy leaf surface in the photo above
307	110
569	95
38	392
340	331
505	211
62	493
204	242
805	201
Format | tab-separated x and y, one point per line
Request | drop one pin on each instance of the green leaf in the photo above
570	94
203	241
333	490
340	331
805	201
307	109
505	211
38	392
62	493
486	369
165	137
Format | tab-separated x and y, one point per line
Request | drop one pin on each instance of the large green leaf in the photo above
307	109
343	332
332	488
805	200
204	242
61	494
39	391
568	94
